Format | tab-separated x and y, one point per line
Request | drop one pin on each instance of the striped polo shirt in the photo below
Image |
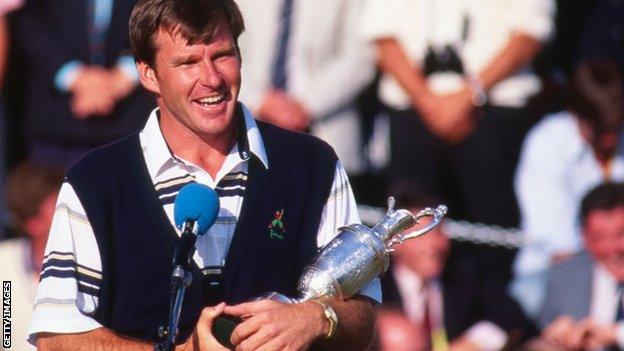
67	294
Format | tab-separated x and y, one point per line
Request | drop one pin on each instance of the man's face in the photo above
604	238
425	255
196	85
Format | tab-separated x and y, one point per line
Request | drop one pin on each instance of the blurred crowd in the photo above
511	112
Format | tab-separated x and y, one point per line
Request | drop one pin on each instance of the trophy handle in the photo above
437	214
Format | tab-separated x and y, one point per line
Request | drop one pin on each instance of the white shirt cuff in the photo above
487	336
67	74
128	67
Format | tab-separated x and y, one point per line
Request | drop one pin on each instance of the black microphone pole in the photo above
181	279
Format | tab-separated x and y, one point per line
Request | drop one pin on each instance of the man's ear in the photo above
147	75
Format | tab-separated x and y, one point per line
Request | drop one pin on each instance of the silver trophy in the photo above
356	256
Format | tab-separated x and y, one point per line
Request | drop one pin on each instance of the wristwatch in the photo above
479	97
331	316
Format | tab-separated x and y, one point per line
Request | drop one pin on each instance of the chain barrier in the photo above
476	233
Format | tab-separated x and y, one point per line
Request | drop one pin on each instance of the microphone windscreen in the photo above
198	203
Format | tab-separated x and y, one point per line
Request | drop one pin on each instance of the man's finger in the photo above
208	314
246	329
249	308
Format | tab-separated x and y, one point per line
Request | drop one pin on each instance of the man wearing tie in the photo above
305	64
81	80
462	308
583	305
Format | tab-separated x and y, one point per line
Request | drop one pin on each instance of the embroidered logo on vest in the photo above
276	227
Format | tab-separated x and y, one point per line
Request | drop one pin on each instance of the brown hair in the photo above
596	94
606	196
27	186
195	20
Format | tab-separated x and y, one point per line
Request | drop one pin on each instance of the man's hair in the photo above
596	93
606	196
28	185
195	20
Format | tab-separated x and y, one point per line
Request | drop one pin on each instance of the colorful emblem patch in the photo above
276	227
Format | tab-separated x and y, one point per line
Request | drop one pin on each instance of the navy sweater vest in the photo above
136	240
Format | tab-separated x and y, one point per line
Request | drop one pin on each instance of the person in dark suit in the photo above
583	304
80	76
457	306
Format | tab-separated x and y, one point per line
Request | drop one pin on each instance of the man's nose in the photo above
210	76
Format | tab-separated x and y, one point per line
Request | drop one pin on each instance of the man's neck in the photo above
206	151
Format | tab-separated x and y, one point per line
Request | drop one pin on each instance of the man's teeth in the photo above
211	100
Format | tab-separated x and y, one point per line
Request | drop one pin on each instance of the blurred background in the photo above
511	112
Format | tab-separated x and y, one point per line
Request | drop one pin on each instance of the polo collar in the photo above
158	155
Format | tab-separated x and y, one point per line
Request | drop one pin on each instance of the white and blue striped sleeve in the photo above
67	295
341	210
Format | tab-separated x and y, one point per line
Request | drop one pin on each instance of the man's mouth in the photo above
211	100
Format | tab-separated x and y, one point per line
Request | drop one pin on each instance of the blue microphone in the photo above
195	210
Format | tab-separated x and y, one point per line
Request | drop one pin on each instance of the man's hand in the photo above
121	86
282	110
450	116
202	339
92	93
598	336
270	325
565	333
96	91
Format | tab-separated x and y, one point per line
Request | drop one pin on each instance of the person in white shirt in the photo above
456	81
563	157
583	305
313	85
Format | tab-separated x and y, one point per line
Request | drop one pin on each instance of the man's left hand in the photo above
271	325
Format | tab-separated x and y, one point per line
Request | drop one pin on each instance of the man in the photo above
305	66
83	94
456	81
31	195
463	308
563	157
111	223
583	305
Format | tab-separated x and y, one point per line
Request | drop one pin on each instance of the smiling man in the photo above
583	305
106	275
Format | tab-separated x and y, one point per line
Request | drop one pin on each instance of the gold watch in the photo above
331	316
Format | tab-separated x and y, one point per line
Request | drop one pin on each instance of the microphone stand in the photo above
181	279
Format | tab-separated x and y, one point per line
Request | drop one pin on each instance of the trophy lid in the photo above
394	222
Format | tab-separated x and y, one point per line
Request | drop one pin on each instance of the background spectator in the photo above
31	196
583	305
305	64
563	157
461	308
83	93
457	80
